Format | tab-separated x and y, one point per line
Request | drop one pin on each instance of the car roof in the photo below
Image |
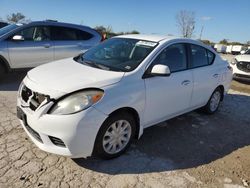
163	39
152	37
55	23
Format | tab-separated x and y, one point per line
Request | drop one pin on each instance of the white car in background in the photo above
241	66
96	103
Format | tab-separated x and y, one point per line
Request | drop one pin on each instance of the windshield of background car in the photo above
118	54
247	52
7	29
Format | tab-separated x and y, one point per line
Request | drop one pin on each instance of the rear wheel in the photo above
214	101
115	136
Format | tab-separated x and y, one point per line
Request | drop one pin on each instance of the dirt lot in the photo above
193	150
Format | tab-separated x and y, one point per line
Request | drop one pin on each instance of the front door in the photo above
35	49
169	96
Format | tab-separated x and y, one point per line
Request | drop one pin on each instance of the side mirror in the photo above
18	38
160	70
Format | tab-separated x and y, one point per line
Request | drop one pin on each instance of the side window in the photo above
200	56
174	57
41	34
83	35
27	33
35	33
64	33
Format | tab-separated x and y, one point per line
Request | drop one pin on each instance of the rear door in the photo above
34	50
206	74
70	42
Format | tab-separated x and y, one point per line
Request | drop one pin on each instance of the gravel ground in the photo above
192	150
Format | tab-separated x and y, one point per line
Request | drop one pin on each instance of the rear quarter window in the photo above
83	35
211	57
201	56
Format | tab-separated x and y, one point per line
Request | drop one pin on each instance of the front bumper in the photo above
239	74
76	131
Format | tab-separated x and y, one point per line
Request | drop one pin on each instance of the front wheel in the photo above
2	70
214	101
115	136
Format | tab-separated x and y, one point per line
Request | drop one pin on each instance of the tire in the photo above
214	101
2	70
107	138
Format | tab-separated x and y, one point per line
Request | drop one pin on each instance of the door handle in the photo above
46	45
185	82
216	75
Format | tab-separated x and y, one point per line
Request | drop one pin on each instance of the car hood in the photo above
243	58
67	75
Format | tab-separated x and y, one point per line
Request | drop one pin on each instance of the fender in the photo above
5	63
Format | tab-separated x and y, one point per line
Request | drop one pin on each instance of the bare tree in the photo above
15	17
186	23
109	29
101	29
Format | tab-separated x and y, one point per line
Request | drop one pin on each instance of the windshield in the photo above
247	52
118	54
7	29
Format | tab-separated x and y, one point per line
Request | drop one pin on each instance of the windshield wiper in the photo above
96	65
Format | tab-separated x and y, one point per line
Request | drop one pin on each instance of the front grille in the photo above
33	133
57	141
34	99
243	66
242	76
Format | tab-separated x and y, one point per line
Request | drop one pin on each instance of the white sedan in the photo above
96	103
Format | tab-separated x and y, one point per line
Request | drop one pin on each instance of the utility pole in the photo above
202	28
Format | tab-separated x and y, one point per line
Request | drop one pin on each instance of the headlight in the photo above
76	102
20	89
234	61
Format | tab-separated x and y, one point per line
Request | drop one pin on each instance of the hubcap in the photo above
215	101
117	136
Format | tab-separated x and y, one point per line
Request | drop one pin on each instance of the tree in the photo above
224	41
16	17
102	29
186	23
134	32
109	29
248	43
207	42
